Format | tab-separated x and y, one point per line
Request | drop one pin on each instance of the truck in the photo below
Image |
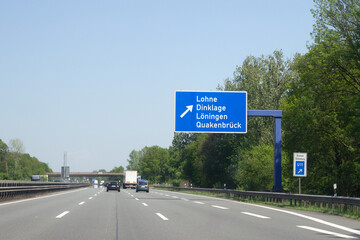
35	178
130	179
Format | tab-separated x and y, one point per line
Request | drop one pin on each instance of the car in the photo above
113	185
142	185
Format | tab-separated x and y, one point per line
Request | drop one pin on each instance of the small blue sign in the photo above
300	168
210	112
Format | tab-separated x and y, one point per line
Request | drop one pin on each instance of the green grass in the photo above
311	208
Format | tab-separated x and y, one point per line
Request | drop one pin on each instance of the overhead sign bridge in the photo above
87	174
223	112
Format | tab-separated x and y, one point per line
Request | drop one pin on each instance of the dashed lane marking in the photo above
220	207
62	214
162	216
255	215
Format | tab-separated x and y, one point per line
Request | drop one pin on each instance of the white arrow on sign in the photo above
300	171
189	108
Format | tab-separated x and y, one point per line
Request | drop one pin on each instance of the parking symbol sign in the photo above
300	168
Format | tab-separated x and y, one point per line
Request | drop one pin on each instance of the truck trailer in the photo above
130	179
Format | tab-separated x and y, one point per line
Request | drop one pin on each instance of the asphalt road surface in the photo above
93	213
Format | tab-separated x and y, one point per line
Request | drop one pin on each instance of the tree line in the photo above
15	164
319	93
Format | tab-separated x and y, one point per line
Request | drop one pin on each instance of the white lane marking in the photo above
327	232
81	203
220	207
63	214
175	197
132	195
145	204
255	215
197	202
35	198
90	198
185	199
284	211
162	216
136	199
95	195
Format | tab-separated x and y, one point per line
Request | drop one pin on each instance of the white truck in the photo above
130	179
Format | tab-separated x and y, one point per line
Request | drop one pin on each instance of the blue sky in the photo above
97	78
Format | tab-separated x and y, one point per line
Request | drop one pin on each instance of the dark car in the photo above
113	185
142	185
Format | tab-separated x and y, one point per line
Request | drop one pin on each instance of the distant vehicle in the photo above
35	178
113	185
142	185
130	179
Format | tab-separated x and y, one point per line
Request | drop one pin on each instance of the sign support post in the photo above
276	114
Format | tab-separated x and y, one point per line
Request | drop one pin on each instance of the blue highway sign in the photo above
300	162
210	112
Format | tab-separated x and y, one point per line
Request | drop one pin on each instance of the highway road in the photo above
93	213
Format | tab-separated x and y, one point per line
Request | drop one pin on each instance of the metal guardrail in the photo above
343	204
21	189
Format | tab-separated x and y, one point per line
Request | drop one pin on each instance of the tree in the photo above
134	161
321	113
16	146
118	169
154	164
3	160
256	170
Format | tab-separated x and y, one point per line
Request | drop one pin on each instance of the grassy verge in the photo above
336	211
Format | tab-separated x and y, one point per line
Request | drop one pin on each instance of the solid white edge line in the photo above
145	204
327	232
162	216
62	214
81	203
255	215
220	207
283	211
